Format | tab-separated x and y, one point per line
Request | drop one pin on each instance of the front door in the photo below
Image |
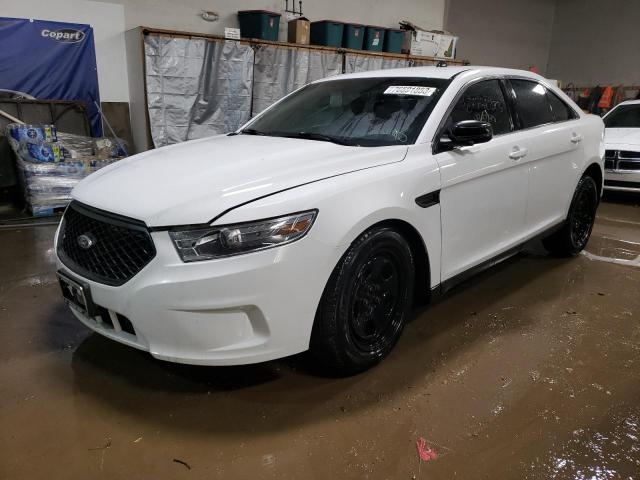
483	198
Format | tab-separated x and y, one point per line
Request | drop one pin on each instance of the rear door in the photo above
484	187
555	151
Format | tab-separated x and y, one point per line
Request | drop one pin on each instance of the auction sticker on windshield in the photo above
410	90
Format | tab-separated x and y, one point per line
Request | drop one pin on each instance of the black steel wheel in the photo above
574	234
377	297
365	303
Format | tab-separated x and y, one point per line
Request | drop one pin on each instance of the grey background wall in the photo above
586	42
507	33
596	42
184	14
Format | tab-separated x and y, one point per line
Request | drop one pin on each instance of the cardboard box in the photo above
430	44
299	31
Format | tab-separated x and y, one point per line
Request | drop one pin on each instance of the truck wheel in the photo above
574	234
365	303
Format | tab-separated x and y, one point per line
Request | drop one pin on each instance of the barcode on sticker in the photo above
409	90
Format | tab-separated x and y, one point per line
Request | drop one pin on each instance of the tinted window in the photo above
561	111
483	101
624	116
532	104
363	111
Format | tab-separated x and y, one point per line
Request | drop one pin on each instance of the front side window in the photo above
532	104
623	116
483	101
367	112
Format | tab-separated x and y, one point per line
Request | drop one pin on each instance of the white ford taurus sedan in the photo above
622	144
316	225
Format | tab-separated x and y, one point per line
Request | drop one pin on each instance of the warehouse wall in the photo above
110	19
506	33
185	15
107	21
596	42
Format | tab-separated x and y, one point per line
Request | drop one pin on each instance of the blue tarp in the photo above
50	60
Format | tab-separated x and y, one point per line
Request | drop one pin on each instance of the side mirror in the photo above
470	132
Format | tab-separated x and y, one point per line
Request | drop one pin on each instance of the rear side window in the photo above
561	111
532	104
483	101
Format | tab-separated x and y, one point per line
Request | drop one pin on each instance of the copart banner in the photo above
50	60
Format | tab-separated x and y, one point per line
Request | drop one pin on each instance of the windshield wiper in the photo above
319	136
252	131
305	135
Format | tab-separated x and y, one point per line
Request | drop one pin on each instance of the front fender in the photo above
350	204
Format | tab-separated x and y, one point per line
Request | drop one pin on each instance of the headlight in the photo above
215	242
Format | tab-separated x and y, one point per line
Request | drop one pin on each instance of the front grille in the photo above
118	247
621	160
627	165
627	155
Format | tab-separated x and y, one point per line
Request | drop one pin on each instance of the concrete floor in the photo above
531	370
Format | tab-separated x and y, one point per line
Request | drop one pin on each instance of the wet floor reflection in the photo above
600	452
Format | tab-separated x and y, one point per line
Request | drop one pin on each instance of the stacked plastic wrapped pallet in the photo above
51	163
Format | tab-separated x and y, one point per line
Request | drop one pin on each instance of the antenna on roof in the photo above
441	63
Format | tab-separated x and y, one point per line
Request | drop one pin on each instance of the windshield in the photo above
366	112
625	116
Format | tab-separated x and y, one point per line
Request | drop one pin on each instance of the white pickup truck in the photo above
622	144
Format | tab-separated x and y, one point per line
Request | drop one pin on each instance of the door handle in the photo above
575	138
517	153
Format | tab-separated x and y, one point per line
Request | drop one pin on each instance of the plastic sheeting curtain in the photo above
363	63
279	71
196	87
422	63
199	87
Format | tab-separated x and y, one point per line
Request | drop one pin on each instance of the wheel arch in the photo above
595	171
422	274
420	254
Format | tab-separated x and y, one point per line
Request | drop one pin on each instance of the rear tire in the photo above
574	234
365	303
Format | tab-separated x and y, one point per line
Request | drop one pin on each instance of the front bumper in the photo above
622	181
237	310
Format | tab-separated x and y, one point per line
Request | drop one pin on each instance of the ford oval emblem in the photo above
86	241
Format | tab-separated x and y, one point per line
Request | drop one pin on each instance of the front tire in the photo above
365	303
574	234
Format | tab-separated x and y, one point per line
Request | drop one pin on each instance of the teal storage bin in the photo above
260	24
327	32
353	36
393	39
374	38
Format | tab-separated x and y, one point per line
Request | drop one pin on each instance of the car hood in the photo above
622	138
196	181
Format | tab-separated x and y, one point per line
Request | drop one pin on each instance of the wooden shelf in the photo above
256	42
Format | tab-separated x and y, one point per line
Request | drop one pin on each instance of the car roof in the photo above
437	72
629	102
